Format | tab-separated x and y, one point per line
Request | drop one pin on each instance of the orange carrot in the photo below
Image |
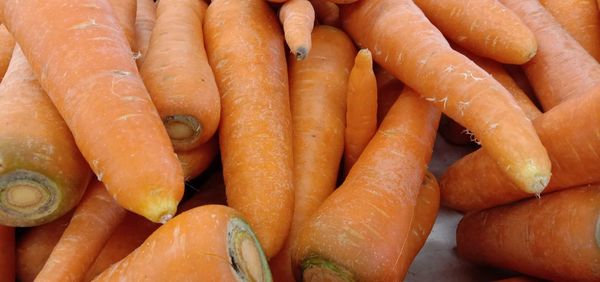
7	44
112	118
416	52
91	226
178	76
42	172
7	253
361	115
125	11
209	243
318	87
196	161
245	48
145	19
556	237
343	1
35	245
581	19
326	12
484	27
360	231
557	52
297	18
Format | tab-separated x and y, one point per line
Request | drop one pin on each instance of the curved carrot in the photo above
484	27
417	53
581	19
112	118
7	253
556	237
326	12
209	243
361	114
42	172
7	45
360	231
125	13
196	161
557	52
297	18
255	133
178	77
145	18
92	224
318	102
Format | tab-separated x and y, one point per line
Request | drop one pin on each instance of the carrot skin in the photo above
7	45
125	12
196	161
326	12
297	18
145	18
7	253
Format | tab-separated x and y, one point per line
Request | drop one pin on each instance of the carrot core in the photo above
319	269
247	258
182	128
26	196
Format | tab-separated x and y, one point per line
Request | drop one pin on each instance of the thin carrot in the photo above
326	12
581	18
209	243
112	118
7	45
297	18
7	253
145	19
361	114
360	231
318	88
42	172
556	237
91	226
484	27
414	51
245	47
35	244
125	11
557	52
178	76
196	161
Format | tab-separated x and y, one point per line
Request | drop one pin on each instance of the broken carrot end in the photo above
184	131
318	269
247	257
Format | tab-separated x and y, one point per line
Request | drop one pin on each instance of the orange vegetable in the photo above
145	18
297	18
7	45
196	161
125	13
255	133
7	253
326	12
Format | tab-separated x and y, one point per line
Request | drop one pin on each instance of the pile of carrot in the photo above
291	140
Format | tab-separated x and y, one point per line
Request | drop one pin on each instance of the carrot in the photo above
178	77
361	115
7	44
7	253
145	19
343	1
484	27
556	237
360	231
91	226
196	161
245	48
209	243
418	54
125	11
326	12
42	173
557	52
318	87
35	245
297	18
128	236
112	118
581	19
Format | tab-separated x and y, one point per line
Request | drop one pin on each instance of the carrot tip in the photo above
301	53
165	218
540	184
320	268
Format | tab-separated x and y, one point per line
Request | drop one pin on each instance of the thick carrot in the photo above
91	226
245	48
318	87
35	244
361	114
557	52
568	131
417	53
7	45
42	172
145	19
581	18
360	231
556	237
326	12
484	27
7	253
197	160
297	18
125	13
77	47
178	76
209	243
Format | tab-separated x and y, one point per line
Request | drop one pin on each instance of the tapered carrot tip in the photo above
320	269
160	211
534	179
364	59
247	256
301	53
182	128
